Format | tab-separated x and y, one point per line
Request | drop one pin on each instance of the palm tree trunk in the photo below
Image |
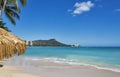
0	8
3	8
4	4
0	14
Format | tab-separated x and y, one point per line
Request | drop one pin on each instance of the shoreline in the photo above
99	67
51	69
61	61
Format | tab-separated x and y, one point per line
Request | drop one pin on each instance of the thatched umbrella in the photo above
10	45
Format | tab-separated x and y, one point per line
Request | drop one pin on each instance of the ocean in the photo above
104	58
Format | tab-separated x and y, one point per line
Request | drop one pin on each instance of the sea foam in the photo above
72	62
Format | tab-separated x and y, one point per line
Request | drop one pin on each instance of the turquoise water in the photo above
98	57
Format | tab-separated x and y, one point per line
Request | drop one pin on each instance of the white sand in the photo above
9	71
49	69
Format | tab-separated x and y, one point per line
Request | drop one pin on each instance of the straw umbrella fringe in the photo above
10	45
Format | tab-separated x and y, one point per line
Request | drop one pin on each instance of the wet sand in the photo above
50	69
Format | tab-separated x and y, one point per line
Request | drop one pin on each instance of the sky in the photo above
87	22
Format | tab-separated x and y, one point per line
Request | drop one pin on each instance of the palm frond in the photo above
10	17
23	2
12	9
13	13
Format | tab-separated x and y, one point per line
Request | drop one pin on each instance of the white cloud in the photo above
117	10
82	7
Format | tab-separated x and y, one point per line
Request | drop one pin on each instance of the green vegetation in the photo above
11	9
2	25
51	42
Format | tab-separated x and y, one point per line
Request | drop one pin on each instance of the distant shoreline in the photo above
81	46
50	42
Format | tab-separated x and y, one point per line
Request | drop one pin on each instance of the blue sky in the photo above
87	22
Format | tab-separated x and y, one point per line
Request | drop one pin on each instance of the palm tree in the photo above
11	9
9	43
2	25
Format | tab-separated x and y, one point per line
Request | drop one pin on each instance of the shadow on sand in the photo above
1	65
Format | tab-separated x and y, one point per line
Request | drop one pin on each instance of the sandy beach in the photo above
10	71
50	69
